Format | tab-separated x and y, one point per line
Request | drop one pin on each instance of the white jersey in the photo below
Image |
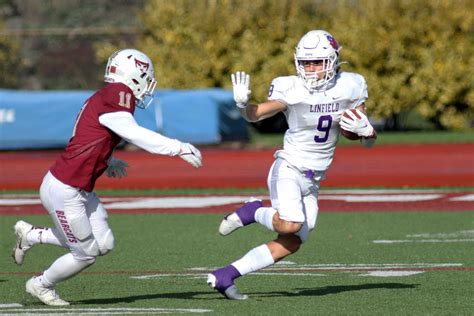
313	118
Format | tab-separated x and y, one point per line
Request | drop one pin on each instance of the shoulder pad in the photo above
118	96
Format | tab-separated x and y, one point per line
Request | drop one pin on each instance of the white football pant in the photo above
82	226
294	195
79	216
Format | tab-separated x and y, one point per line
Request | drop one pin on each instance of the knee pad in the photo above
106	244
83	260
82	230
90	246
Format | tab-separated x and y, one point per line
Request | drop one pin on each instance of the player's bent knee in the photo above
106	244
87	262
83	259
90	246
285	227
303	233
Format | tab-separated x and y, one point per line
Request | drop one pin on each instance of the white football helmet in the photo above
134	69
317	45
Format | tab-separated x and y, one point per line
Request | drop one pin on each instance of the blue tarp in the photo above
45	119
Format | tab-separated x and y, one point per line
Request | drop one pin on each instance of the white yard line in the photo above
382	191
385	274
10	305
399	241
349	266
458	234
382	198
293	269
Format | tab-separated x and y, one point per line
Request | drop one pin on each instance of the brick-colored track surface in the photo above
354	166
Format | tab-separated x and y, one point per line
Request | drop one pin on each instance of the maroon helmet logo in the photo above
143	66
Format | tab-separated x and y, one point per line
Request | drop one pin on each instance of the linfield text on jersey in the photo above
324	107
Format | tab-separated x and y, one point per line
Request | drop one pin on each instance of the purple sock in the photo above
246	212
225	277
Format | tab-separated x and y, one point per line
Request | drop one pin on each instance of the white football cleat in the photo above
232	293
229	224
21	229
44	294
241	217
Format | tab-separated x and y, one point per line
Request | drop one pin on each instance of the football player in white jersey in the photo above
313	102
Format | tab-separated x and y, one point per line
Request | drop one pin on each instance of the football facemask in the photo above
317	46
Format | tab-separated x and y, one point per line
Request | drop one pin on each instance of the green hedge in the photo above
414	54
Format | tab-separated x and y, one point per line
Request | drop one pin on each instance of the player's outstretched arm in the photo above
242	93
124	124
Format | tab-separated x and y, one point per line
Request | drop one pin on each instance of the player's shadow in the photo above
134	298
335	289
204	295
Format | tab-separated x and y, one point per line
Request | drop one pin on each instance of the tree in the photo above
415	55
10	61
57	39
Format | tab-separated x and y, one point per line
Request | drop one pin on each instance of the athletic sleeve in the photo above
123	124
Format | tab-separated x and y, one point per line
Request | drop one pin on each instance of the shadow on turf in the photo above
299	292
335	289
131	299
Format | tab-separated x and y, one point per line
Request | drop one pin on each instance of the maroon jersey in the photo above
91	145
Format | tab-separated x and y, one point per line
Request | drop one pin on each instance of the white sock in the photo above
264	216
44	235
256	259
62	269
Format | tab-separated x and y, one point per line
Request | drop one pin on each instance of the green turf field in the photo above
160	261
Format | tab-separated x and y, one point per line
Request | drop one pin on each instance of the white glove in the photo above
361	126
191	155
116	168
241	83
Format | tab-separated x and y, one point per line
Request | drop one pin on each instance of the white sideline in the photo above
468	197
351	196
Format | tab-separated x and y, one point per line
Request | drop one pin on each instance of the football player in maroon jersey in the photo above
80	220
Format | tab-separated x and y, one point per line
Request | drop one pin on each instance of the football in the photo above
347	134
